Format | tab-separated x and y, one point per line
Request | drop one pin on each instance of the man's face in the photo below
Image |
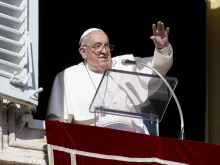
96	51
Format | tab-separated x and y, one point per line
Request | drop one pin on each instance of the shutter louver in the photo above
19	51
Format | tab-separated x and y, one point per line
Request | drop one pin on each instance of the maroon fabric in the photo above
127	144
60	157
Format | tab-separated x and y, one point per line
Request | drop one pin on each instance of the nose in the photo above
104	50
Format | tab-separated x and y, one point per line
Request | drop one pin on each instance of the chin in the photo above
104	64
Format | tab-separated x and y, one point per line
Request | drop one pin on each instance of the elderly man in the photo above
74	88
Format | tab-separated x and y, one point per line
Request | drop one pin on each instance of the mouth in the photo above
104	58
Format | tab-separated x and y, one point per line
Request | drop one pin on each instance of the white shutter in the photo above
19	51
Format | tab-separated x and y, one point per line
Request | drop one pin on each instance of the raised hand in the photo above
160	35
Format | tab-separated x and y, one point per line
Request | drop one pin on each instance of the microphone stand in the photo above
182	136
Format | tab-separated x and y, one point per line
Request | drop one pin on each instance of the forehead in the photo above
97	37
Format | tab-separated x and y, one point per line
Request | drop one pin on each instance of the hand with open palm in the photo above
160	35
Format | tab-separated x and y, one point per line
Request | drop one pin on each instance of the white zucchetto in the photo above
87	32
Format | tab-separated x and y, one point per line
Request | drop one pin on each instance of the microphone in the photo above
131	62
127	62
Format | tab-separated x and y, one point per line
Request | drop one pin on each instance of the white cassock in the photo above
74	89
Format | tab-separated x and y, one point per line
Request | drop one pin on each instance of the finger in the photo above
162	27
159	26
167	31
154	29
153	38
162	31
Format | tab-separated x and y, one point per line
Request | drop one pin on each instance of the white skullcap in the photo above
87	32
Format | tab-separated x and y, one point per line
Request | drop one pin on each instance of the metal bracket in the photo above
18	81
36	92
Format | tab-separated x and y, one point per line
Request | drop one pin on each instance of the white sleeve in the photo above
56	105
162	61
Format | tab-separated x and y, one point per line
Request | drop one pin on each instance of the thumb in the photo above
153	38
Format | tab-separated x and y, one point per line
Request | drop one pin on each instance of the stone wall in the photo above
22	139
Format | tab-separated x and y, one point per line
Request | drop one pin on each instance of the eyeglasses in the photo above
99	47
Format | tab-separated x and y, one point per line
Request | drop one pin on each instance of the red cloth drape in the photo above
83	144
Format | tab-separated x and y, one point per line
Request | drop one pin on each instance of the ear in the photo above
82	52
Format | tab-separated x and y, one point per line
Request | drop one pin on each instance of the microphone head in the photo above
124	61
128	62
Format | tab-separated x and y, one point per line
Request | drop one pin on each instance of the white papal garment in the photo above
75	87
